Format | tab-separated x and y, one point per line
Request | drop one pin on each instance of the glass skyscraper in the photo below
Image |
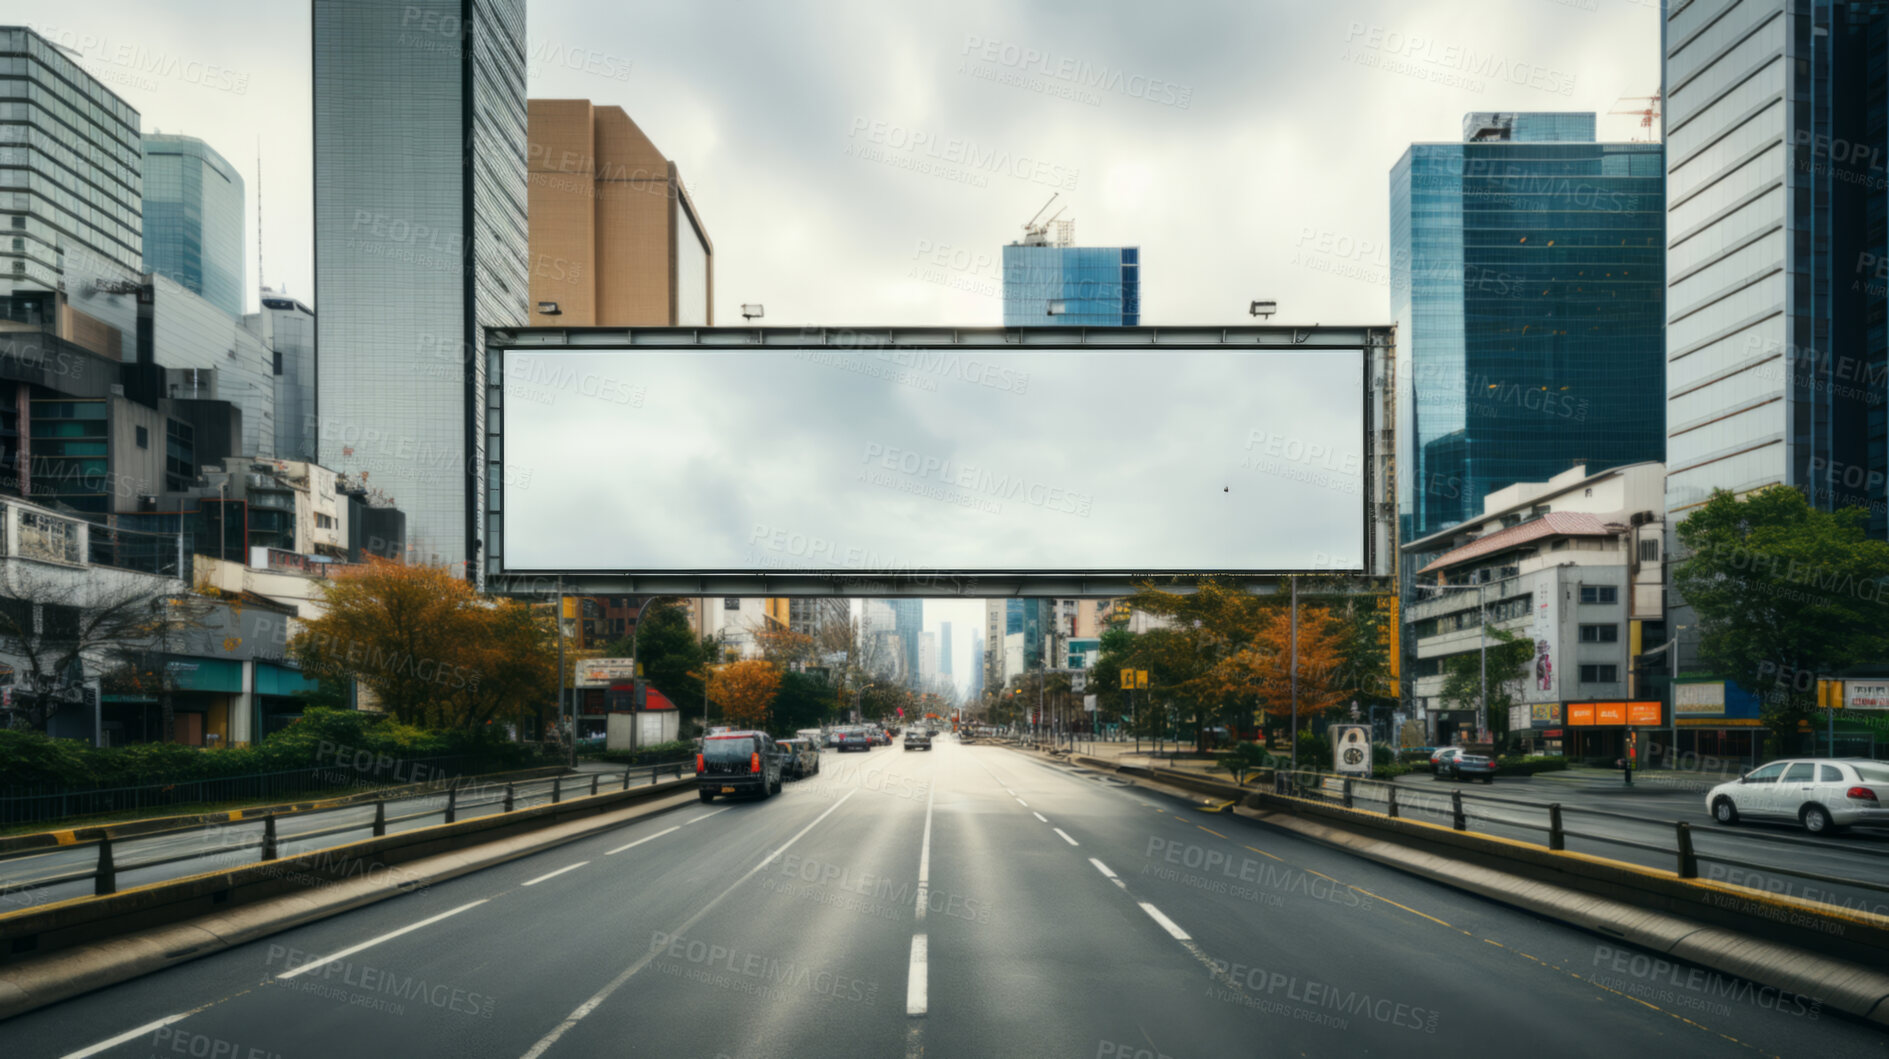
1072	286
193	219
1775	188
288	328
1526	282
70	199
908	622
420	243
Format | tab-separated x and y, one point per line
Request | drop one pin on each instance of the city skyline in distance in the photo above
1098	119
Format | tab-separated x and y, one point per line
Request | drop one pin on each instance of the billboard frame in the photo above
1373	343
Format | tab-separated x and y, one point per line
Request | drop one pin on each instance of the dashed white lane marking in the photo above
705	816
1065	835
544	1043
640	841
1039	816
555	874
1166	924
915	982
1023	803
924	860
1101	867
149	1027
371	942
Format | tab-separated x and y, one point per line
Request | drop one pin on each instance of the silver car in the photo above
1822	794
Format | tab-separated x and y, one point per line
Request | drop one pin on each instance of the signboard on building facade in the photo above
1647	713
603	672
1699	700
1519	718
1545	713
1866	694
1542	631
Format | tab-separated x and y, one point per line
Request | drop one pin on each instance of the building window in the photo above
1649	551
144	437
1600	634
1599	594
1591	674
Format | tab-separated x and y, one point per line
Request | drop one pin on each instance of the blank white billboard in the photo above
953	460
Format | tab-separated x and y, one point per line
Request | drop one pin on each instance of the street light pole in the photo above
559	618
1293	668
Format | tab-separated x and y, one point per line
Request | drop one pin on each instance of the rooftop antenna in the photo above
260	282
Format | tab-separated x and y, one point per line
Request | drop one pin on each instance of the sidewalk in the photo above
1125	754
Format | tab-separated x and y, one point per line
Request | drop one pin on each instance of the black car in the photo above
738	762
852	739
800	757
917	739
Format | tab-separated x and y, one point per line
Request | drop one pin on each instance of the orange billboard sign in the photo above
1644	713
1580	714
1610	713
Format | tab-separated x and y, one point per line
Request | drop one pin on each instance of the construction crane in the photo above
1648	113
1037	234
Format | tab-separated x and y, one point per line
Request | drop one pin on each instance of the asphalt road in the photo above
227	845
1063	914
1655	801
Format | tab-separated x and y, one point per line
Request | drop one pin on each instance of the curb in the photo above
1852	988
36	983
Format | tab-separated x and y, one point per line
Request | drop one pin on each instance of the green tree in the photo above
671	655
1509	658
1785	594
804	701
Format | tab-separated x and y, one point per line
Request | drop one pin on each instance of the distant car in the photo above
852	739
918	739
1465	766
800	757
737	762
1825	795
1441	758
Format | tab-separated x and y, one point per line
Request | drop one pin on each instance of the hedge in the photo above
1528	766
654	754
320	738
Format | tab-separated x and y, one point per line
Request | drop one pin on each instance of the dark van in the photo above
738	762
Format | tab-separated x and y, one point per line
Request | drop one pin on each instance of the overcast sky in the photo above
1268	183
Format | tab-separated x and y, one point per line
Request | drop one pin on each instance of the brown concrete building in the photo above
615	240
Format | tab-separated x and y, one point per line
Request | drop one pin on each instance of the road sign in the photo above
1088	703
1351	749
1078	680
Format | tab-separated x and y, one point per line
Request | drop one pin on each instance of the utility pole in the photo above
1293	668
559	618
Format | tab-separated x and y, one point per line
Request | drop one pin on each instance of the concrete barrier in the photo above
79	920
38	980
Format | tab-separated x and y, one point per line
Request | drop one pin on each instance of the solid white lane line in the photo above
1039	816
924	859
640	841
555	874
371	942
916	981
705	816
149	1027
544	1043
1065	835
1101	867
1166	923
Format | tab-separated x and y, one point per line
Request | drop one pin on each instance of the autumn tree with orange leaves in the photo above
431	649
745	691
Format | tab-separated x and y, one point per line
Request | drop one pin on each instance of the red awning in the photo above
656	700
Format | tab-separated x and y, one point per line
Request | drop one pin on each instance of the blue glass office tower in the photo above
193	219
908	622
1778	169
1072	286
420	243
1527	280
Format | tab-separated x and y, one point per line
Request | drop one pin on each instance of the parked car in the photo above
917	739
1824	795
738	762
800	757
878	736
1465	766
852	739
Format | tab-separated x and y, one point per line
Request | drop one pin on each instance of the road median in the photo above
56	951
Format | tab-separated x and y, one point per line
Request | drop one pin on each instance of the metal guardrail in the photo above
1313	786
516	795
19	805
